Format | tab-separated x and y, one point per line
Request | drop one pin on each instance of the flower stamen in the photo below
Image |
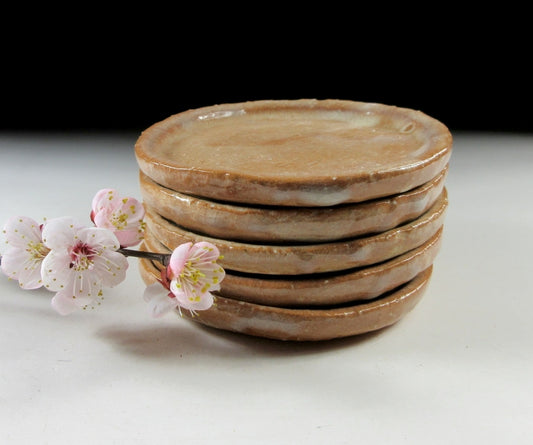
37	250
191	276
81	256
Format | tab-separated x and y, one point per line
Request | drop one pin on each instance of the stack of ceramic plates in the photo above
328	214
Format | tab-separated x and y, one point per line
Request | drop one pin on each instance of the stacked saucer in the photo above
328	214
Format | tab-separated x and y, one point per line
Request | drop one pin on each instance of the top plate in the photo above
295	153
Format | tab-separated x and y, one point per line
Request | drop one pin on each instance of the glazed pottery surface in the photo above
296	153
289	224
307	324
308	258
325	289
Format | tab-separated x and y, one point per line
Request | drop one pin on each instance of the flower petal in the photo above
180	288
179	257
58	233
129	237
13	261
102	218
159	303
29	276
197	301
103	199
56	271
64	303
205	252
98	238
127	229
213	277
111	268
86	287
132	208
19	230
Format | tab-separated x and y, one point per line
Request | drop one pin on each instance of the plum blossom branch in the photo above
77	262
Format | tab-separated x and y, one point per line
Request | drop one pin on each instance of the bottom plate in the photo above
306	324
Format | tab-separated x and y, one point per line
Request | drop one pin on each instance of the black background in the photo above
95	76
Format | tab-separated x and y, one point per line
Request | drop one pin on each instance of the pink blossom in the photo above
25	253
188	280
80	263
123	216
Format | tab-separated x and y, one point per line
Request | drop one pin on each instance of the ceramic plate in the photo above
290	224
326	289
307	324
308	258
297	153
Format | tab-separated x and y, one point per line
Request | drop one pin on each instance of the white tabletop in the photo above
457	369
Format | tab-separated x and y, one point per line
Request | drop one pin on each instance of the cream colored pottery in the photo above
325	289
290	224
306	324
308	258
296	153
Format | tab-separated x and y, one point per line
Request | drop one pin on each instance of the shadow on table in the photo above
192	339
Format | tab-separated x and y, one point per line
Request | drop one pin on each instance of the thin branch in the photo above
162	258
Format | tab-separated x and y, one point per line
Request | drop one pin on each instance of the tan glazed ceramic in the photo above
308	258
325	289
328	214
307	324
297	153
290	224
